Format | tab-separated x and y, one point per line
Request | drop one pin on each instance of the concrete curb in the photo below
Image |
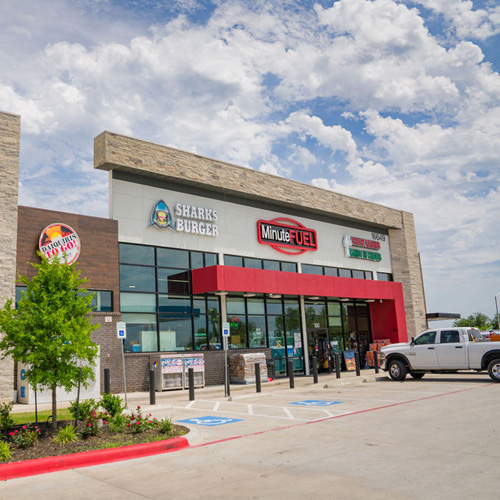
88	458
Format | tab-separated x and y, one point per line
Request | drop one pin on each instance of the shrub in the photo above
26	437
139	422
166	426
6	421
66	435
85	409
5	452
91	425
118	423
112	403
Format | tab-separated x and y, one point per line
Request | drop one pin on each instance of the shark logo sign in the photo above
188	219
160	217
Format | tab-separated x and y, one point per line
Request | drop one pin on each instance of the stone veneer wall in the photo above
117	152
10	131
406	269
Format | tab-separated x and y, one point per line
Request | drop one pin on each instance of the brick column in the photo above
406	269
10	131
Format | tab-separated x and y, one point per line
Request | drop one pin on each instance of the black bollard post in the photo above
375	361
257	377
107	381
191	384
356	357
290	374
315	370
152	393
228	382
337	364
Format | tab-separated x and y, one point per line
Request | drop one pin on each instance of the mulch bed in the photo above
45	446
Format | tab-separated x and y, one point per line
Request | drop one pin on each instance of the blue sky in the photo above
392	101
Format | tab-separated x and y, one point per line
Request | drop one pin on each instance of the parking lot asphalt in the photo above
357	437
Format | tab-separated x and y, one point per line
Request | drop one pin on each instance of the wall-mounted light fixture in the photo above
248	295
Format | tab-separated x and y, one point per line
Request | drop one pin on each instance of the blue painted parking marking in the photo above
316	402
210	421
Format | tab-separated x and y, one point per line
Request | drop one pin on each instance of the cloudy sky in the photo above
393	101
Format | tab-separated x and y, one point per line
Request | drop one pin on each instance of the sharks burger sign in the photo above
287	236
61	240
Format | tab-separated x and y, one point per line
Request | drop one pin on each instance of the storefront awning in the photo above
386	297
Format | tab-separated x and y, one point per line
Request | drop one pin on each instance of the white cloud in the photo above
463	19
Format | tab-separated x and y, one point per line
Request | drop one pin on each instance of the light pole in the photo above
496	304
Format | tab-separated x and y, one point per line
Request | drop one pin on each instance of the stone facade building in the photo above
196	248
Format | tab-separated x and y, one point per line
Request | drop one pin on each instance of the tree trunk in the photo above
54	407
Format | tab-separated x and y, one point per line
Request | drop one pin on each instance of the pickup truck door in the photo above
451	350
422	352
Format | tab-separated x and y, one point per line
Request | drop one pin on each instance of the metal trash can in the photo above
271	370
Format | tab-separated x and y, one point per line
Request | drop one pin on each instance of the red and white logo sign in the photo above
62	240
287	236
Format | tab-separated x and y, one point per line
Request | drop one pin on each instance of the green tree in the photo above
478	320
50	329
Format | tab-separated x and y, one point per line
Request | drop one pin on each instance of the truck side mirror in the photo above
412	341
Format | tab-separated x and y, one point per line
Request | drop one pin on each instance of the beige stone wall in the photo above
116	152
406	269
10	127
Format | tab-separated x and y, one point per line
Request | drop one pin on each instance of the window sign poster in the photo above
335	345
350	361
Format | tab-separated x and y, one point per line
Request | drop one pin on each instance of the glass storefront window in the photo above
214	331
333	309
253	263
136	254
141	333
200	333
231	260
360	275
311	269
196	260
235	305
289	267
173	281
137	279
211	259
345	273
170	257
137	302
331	271
315	308
238	333
102	301
199	305
174	305
213	304
255	306
175	333
271	265
257	331
292	307
274	306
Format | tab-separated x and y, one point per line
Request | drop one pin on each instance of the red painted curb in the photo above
88	458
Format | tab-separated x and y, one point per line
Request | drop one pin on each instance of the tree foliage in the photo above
50	331
478	320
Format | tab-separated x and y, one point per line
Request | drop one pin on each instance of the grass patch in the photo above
29	417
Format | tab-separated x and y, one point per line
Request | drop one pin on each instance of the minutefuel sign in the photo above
287	236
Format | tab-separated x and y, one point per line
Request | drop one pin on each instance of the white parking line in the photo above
250	409
288	412
216	406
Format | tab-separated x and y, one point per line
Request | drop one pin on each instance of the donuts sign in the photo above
62	240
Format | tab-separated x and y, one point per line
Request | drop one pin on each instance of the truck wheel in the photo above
417	375
397	370
494	370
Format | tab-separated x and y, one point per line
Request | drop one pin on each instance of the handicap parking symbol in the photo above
210	421
316	402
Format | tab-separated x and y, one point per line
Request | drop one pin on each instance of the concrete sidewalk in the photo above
236	390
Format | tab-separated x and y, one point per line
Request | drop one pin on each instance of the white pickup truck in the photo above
443	350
